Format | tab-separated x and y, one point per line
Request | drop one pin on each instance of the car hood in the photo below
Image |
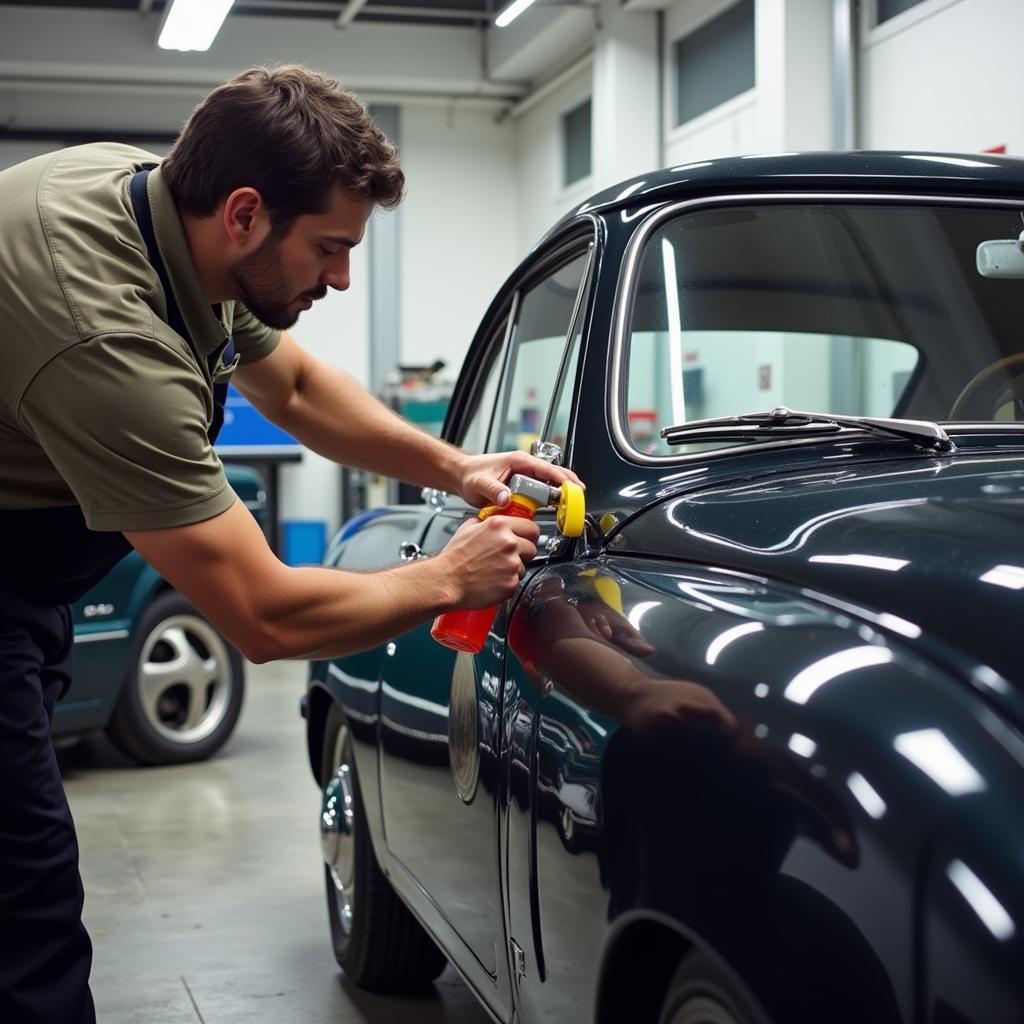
937	543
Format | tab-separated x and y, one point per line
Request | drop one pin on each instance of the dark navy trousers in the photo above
45	953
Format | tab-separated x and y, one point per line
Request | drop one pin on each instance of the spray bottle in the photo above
467	630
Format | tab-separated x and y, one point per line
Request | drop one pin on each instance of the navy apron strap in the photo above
144	217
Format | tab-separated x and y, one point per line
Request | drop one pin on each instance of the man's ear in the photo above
244	216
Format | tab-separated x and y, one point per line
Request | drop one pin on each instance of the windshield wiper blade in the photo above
784	422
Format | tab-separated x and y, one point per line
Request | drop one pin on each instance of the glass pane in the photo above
857	309
890	8
576	144
474	439
559	430
716	62
537	347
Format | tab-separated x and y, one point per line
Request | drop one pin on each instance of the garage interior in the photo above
204	888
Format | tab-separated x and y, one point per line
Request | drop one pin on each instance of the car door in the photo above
440	712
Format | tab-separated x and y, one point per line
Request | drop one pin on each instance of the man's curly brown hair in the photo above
291	134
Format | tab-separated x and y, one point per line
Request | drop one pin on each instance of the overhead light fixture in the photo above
193	24
511	12
818	673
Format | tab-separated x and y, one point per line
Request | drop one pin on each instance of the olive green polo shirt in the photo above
102	404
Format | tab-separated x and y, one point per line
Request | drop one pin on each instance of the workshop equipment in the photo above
466	630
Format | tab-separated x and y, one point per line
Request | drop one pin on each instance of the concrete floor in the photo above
204	884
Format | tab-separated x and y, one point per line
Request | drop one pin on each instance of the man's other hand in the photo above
483	478
486	559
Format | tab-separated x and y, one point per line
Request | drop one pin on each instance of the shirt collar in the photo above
208	333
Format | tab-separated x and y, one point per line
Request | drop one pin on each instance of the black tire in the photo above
377	941
703	991
183	691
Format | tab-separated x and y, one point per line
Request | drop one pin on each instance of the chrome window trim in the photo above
570	245
615	399
504	347
563	364
109	634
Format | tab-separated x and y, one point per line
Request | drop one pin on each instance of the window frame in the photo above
566	184
575	242
616	384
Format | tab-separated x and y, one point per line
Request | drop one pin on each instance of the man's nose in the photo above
336	279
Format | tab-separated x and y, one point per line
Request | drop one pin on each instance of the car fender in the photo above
760	842
370	541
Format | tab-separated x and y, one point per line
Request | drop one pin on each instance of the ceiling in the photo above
465	13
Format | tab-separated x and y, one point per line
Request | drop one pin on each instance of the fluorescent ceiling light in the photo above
864	561
1009	576
511	12
193	24
723	640
802	745
933	753
675	332
982	902
866	795
816	675
637	614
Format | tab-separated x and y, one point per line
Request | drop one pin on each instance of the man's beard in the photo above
265	290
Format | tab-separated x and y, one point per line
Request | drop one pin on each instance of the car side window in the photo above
474	439
537	354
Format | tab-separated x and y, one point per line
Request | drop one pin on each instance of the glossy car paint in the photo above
850	845
105	621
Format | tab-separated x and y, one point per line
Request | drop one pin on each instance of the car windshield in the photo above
850	308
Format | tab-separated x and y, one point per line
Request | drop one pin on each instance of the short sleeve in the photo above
253	339
124	420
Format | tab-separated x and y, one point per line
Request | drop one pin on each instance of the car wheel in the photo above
183	693
377	941
704	992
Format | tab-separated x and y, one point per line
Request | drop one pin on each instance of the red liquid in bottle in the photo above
466	630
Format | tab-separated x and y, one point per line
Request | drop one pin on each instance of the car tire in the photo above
377	941
183	691
703	991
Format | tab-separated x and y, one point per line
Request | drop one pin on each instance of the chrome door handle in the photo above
409	551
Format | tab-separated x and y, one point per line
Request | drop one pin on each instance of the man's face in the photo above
287	273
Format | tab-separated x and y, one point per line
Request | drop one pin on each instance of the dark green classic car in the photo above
750	750
150	669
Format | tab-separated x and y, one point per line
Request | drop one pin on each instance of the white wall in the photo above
335	330
542	198
945	76
788	108
459	238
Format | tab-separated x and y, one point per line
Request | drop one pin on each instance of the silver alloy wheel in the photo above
185	679
337	822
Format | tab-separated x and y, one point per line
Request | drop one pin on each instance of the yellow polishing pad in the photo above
572	510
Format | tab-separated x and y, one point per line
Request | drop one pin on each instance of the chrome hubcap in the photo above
185	679
337	820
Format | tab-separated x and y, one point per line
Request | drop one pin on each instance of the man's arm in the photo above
269	610
329	412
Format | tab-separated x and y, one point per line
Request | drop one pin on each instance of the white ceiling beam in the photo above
106	67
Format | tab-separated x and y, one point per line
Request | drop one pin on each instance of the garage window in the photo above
890	8
715	63
576	144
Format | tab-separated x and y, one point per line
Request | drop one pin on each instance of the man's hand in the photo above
609	625
482	478
485	560
664	705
